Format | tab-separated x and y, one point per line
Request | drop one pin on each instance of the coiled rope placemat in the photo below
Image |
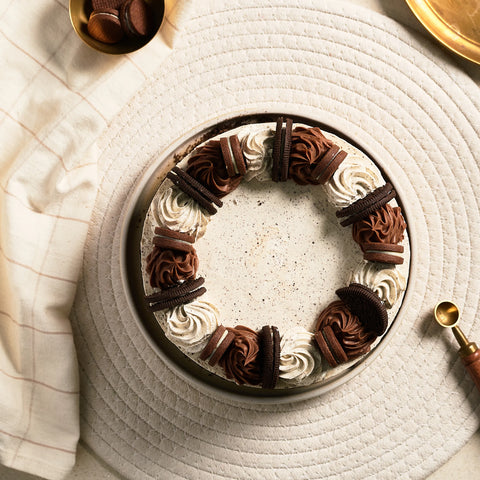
413	407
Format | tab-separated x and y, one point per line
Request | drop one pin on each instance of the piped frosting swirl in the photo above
309	145
169	267
385	225
257	146
348	329
242	361
297	359
177	211
206	165
190	325
354	179
387	283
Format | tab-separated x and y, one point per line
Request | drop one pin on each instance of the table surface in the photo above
464	465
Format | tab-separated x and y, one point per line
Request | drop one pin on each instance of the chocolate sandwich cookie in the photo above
330	347
166	243
281	149
270	344
102	4
167	232
233	156
194	190
136	18
217	345
173	240
177	295
367	205
366	305
329	163
104	25
383	252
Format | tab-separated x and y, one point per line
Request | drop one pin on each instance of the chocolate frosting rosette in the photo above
309	145
170	267
207	166
386	225
242	361
379	235
350	336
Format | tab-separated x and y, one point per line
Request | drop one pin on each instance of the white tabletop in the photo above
464	465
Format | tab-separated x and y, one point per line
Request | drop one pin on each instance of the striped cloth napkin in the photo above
56	97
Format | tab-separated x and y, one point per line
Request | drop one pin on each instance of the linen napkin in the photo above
56	97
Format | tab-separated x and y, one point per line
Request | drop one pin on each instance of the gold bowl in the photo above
80	12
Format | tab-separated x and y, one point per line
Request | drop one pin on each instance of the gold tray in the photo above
455	23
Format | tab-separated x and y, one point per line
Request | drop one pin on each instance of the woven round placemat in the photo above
413	407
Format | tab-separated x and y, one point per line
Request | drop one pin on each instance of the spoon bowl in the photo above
447	314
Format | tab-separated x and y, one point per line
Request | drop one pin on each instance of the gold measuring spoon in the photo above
447	315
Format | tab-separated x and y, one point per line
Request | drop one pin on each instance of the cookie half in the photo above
282	145
182	293
218	344
270	345
328	164
366	305
330	347
367	205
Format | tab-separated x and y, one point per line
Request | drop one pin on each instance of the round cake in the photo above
275	255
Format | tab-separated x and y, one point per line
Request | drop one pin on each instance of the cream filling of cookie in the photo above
106	14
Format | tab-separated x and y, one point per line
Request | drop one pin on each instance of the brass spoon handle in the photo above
470	355
472	365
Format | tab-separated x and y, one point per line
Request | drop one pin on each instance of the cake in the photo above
258	301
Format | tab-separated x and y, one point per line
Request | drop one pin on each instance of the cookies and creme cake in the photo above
275	254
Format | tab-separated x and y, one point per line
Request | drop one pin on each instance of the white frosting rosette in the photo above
387	283
190	325
354	179
297	359
257	146
175	210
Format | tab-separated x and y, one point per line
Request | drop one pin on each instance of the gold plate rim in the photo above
436	25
